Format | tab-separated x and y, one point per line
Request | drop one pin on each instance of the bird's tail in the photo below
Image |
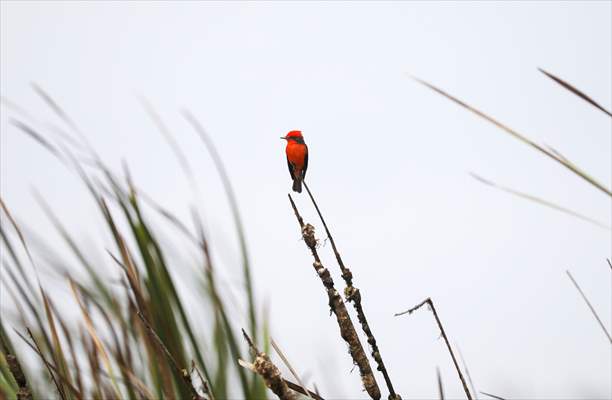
297	185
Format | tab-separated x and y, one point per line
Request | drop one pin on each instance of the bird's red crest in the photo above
295	134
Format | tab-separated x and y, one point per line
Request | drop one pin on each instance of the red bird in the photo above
297	158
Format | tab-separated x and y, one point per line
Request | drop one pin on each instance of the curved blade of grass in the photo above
572	167
47	365
36	136
94	336
161	126
256	390
54	105
75	361
147	239
229	191
50	367
26	295
162	295
74	248
540	201
57	352
575	91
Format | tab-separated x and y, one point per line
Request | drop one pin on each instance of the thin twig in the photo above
163	128
492	395
609	263
55	382
575	91
603	327
440	386
181	371
429	302
49	365
337	306
467	372
353	295
232	199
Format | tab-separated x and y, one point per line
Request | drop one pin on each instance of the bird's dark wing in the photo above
305	163
290	168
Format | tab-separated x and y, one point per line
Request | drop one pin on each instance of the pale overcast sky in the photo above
389	162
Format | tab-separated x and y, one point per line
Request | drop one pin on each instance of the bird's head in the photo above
295	136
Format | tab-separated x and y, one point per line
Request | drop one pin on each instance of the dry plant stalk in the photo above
264	367
353	295
429	302
347	329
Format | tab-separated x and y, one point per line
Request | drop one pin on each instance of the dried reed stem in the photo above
347	329
265	368
353	295
588	303
429	302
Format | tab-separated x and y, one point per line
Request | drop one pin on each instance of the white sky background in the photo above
389	162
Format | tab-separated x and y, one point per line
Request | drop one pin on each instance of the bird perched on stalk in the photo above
297	158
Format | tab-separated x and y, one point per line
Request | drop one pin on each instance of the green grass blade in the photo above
231	196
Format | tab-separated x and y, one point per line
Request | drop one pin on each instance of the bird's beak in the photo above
284	137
